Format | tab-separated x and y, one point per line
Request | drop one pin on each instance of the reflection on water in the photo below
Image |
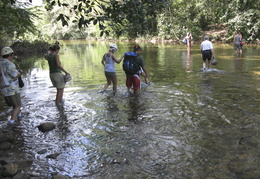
186	124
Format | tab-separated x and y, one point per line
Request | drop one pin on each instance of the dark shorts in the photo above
133	80
206	54
237	46
14	100
110	74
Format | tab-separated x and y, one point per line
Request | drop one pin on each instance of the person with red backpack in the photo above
134	66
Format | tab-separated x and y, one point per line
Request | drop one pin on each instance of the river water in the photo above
185	124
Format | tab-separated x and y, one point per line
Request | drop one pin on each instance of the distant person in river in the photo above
189	38
108	60
56	75
237	42
207	53
9	82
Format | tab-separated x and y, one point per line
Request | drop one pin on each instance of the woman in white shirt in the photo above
108	61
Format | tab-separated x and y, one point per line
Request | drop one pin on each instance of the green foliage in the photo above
196	16
247	23
128	17
172	19
179	19
15	20
26	47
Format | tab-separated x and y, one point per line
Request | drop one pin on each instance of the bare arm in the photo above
57	60
117	60
212	52
20	72
103	60
145	71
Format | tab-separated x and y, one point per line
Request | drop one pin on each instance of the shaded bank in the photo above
26	48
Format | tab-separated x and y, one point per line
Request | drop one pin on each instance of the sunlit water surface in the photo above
186	124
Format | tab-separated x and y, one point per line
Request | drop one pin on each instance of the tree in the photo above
15	19
135	16
196	16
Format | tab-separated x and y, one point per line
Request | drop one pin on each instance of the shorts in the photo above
57	80
206	54
133	80
110	74
14	100
238	46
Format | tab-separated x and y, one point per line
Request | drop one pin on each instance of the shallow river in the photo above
186	124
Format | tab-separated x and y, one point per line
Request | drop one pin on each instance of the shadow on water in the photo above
186	124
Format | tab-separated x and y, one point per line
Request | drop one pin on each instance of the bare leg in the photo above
114	81
128	89
209	64
107	84
204	65
59	96
136	92
15	112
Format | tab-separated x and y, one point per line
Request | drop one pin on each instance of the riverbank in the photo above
26	48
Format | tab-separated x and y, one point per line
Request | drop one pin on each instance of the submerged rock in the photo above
59	177
42	151
5	138
53	156
44	127
22	176
5	145
10	170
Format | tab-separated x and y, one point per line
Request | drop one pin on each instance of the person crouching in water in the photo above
108	60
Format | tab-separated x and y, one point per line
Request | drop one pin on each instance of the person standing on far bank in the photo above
9	82
207	53
56	76
237	41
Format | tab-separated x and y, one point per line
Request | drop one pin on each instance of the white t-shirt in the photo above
206	45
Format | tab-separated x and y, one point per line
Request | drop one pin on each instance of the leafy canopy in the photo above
122	15
15	19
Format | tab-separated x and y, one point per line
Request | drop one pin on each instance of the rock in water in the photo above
46	127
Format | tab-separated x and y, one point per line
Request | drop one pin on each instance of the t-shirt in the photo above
140	60
8	81
206	45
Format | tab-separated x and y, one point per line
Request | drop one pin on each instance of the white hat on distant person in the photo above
113	46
